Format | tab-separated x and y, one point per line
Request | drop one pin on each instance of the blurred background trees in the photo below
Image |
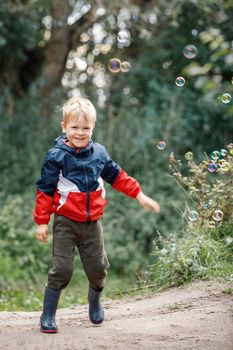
52	50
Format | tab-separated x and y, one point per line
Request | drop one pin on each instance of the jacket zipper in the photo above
88	195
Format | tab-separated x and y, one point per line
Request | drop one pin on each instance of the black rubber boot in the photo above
96	311
47	319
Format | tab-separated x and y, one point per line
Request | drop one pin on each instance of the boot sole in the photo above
96	322
48	331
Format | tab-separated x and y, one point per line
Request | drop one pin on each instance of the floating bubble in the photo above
125	66
188	155
212	167
161	145
205	205
215	155
123	36
190	51
231	152
180	81
194	32
226	98
224	165
211	224
114	65
223	152
217	215
193	215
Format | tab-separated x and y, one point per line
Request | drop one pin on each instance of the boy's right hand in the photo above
42	233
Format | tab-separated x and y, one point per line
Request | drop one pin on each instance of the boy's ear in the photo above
63	127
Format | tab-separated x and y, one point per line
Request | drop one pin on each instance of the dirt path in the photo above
195	317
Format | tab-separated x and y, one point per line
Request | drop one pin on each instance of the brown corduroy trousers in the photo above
88	238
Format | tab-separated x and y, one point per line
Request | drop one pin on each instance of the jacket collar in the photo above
60	142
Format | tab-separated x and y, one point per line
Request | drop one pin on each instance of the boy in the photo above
71	187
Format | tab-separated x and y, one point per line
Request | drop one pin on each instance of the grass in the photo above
30	298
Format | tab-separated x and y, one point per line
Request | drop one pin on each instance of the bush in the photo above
22	258
204	247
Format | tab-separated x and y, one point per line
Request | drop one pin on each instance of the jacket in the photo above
71	182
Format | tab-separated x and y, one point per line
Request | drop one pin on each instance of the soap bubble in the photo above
180	81
161	145
212	167
125	66
223	152
123	36
194	32
231	151
205	205
188	155
211	224
217	215
190	51
114	65
224	165
226	98
193	215
215	155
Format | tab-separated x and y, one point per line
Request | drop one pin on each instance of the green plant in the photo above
204	247
208	185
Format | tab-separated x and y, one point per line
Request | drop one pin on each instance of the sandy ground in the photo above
195	317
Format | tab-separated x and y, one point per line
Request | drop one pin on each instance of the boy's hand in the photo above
148	203
42	233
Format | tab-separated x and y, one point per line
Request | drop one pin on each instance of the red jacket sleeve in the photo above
43	208
127	184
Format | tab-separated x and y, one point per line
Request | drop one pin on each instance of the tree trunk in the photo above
57	48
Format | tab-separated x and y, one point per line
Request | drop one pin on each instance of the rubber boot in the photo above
96	311
47	319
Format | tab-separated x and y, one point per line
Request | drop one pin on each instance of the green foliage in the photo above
204	247
20	31
25	138
22	258
180	260
129	230
22	299
209	185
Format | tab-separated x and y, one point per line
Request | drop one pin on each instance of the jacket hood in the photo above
59	142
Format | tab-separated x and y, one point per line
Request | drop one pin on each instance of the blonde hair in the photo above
77	107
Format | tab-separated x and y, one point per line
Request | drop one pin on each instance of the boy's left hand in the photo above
148	203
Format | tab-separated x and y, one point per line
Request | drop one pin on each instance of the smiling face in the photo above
78	131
